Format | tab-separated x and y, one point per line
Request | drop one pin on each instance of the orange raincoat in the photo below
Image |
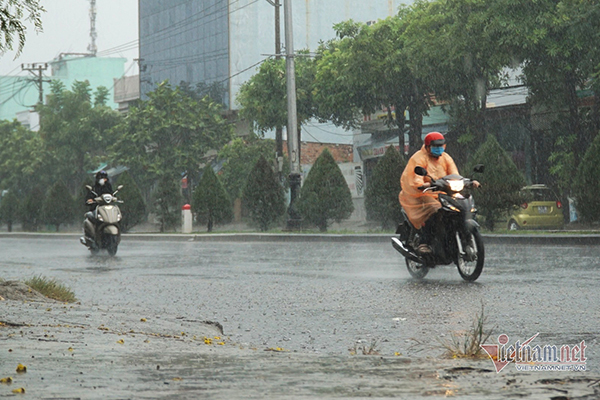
420	206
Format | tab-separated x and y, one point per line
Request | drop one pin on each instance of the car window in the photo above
539	195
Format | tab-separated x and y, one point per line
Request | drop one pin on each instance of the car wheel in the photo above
513	226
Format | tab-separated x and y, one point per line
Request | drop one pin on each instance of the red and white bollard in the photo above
186	219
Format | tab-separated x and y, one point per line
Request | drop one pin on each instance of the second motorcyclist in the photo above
102	185
420	206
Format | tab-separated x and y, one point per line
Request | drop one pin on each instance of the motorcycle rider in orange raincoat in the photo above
419	206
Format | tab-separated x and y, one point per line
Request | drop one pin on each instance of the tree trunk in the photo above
574	124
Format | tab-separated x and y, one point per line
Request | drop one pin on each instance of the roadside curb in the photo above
525	239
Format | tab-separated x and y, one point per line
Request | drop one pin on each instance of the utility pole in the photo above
294	219
38	68
278	129
93	35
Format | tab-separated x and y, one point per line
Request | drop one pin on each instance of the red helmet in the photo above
434	139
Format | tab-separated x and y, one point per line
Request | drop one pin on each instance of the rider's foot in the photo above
424	249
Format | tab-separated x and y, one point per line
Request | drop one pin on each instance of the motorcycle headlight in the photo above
118	216
107	198
456	185
100	217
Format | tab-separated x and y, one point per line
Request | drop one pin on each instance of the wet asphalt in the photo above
326	297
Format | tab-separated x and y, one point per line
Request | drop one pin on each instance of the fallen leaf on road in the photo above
21	369
277	349
120	341
6	381
19	390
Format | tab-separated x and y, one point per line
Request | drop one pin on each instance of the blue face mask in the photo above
437	151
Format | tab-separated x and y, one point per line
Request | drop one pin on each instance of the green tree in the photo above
381	195
169	134
325	195
211	204
239	157
558	43
263	195
58	206
31	209
500	183
343	95
587	186
75	130
263	97
454	46
167	203
23	158
13	15
133	207
9	209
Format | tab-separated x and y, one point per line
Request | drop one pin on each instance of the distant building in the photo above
219	44
21	93
127	92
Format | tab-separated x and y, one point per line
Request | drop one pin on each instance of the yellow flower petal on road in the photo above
19	390
21	368
143	319
6	381
120	341
70	349
177	379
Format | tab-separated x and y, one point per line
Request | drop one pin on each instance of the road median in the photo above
553	239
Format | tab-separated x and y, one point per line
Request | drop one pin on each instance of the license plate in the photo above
542	210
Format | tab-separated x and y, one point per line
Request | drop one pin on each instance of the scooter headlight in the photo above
100	217
456	185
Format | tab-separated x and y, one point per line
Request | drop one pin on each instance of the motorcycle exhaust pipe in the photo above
399	246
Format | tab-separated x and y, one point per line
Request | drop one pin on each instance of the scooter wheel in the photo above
112	245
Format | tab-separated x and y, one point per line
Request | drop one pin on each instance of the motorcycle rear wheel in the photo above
470	270
416	270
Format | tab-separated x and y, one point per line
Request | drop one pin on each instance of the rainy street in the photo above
329	298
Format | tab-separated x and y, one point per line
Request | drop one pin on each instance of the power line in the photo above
246	69
27	84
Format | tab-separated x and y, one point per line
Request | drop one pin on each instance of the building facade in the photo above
19	94
219	44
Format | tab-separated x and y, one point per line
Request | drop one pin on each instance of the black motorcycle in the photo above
455	237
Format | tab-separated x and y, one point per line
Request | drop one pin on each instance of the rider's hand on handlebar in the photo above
89	201
476	184
425	186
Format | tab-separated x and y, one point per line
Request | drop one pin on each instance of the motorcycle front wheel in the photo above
416	270
112	244
470	262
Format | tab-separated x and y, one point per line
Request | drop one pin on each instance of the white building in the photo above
222	42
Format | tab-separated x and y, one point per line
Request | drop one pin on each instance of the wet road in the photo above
329	298
308	298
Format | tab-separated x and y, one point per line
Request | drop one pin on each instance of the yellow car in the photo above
541	210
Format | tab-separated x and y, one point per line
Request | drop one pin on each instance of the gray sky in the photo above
66	26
